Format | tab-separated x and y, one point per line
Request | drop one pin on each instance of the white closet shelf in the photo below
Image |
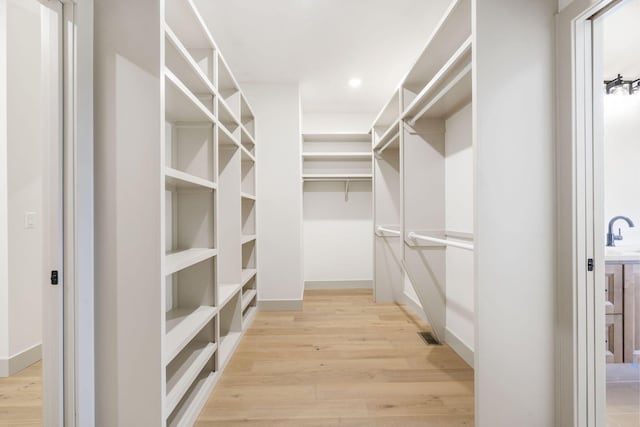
247	238
247	297
185	66
247	274
196	398
226	139
336	137
337	156
246	155
226	292
226	116
184	181
450	33
179	260
228	344
184	18
181	105
182	325
231	86
184	370
461	58
336	177
248	315
389	137
246	134
455	95
389	113
248	196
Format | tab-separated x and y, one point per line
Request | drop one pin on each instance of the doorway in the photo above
31	212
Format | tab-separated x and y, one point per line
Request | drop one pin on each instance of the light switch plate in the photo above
29	220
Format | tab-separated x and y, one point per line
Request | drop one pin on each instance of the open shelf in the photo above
246	155
248	196
228	344
189	408
181	105
226	292
337	177
226	117
180	61
387	118
247	239
451	33
184	181
228	88
247	297
179	260
182	325
247	141
226	139
354	155
247	274
188	25
184	370
247	117
340	137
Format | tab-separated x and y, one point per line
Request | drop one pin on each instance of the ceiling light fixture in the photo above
621	86
355	82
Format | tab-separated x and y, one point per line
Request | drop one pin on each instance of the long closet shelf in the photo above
247	274
455	95
185	66
246	155
337	177
228	344
389	137
226	116
226	139
336	137
247	134
226	292
184	370
181	105
192	404
182	325
461	58
389	113
247	238
184	181
184	18
248	196
337	156
247	297
179	260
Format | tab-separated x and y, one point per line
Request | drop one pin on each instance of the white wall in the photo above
279	216
21	288
622	156
515	252
328	122
459	182
338	233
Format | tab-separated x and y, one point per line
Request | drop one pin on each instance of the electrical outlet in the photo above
29	220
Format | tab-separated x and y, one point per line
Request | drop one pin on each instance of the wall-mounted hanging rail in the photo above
415	236
385	232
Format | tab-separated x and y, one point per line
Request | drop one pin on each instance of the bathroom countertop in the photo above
628	253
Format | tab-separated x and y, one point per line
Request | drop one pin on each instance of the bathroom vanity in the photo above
622	304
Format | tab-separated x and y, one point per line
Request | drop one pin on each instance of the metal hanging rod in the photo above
414	236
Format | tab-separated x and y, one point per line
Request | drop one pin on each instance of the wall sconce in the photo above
620	85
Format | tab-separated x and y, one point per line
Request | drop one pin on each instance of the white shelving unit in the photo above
423	174
209	214
336	157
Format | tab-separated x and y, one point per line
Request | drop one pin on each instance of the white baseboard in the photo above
280	305
459	346
19	361
338	284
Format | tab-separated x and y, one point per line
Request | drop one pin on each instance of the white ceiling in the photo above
321	44
621	37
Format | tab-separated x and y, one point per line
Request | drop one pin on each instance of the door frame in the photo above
580	356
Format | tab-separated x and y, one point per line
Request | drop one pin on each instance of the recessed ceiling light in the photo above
355	82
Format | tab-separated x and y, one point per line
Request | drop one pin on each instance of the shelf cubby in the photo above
229	89
188	409
196	74
230	328
182	105
247	117
387	119
248	142
335	156
248	185
249	253
186	324
248	216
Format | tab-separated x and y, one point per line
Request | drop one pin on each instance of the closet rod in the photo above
388	230
415	236
336	179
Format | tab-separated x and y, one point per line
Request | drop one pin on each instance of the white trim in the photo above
414	306
280	305
338	284
459	346
16	363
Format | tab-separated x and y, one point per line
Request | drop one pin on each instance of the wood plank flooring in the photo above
343	361
21	398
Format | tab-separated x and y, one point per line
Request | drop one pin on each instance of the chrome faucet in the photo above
611	238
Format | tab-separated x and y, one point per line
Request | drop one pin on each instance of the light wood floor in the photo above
344	361
21	398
